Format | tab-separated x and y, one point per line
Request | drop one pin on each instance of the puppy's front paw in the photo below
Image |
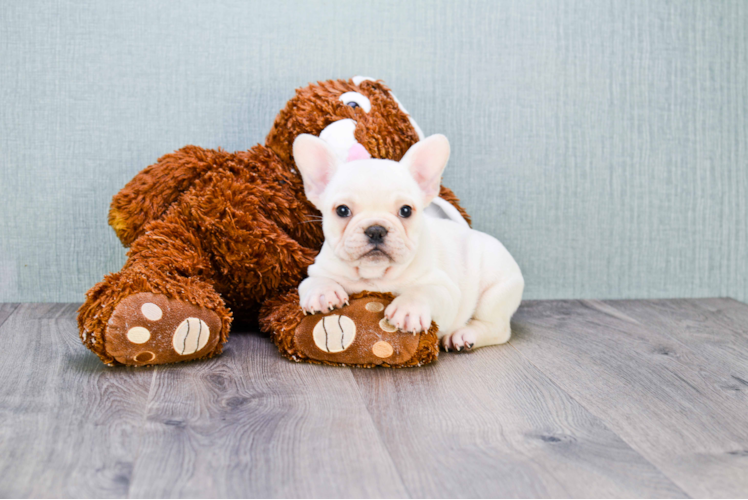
409	314
324	298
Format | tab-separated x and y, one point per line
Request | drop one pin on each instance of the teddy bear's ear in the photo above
426	160
317	163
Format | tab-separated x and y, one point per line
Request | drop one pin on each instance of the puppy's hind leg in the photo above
474	334
490	323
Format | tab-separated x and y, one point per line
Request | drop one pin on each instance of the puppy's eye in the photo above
343	211
405	211
356	100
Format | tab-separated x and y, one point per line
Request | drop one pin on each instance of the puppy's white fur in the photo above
463	279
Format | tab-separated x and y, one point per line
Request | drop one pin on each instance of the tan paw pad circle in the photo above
151	311
191	335
334	333
387	326
138	335
145	357
382	349
375	307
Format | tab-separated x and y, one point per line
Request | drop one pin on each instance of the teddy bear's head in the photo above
359	118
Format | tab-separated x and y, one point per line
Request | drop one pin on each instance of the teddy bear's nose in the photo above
376	234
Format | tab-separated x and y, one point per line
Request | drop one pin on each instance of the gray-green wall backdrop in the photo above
604	142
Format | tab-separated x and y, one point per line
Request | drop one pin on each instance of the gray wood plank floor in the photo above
589	399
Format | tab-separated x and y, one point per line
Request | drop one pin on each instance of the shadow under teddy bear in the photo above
211	232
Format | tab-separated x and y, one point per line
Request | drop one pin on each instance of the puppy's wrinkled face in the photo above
372	213
372	209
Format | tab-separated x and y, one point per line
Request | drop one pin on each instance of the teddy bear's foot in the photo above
150	329
357	334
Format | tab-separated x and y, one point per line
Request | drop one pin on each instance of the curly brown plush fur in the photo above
227	231
284	318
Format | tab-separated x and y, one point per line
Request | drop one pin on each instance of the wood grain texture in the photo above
715	329
589	399
69	425
670	404
488	424
251	423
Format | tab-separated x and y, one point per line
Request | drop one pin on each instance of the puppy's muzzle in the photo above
375	234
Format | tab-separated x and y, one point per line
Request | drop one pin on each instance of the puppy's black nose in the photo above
376	234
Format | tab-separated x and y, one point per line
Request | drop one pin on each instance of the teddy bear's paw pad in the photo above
357	334
150	329
334	333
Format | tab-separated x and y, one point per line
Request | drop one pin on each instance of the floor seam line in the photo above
602	420
141	429
379	434
12	313
691	351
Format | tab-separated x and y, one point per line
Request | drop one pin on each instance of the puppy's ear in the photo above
317	164
426	161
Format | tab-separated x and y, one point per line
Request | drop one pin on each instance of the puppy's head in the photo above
372	209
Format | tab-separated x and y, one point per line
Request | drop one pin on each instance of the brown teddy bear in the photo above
212	232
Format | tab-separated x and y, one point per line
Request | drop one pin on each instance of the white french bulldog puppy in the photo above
377	238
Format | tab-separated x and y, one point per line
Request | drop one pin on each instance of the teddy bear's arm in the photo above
152	191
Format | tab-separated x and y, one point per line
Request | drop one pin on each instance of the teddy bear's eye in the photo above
343	211
405	211
356	100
